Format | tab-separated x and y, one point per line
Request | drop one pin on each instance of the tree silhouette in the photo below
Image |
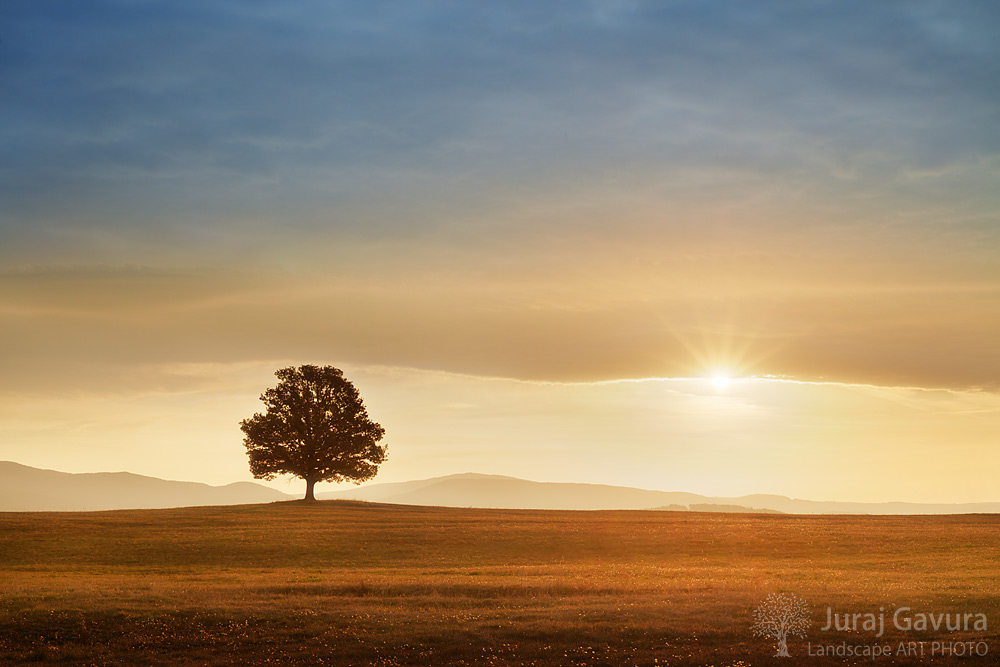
780	615
316	427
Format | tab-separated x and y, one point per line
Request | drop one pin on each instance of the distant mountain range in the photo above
474	490
23	488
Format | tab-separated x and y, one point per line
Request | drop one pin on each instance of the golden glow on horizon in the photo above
802	439
720	381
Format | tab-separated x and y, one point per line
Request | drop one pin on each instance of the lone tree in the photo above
316	427
780	615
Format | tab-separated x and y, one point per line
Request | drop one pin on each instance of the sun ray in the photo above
721	348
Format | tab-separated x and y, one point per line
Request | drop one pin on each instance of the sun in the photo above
720	381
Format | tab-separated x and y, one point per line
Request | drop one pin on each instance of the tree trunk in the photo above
782	647
310	484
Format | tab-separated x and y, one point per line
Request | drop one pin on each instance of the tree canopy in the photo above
316	427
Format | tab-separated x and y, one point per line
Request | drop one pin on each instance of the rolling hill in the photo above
23	488
497	491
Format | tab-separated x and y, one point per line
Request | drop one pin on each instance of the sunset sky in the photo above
531	233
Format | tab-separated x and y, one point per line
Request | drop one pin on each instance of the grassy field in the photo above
342	583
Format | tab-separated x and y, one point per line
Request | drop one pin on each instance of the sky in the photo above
531	233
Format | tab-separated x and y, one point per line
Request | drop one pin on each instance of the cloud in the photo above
66	330
136	114
563	190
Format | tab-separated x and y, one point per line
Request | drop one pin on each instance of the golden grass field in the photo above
346	583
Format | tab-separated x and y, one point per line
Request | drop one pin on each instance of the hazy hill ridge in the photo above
23	488
476	490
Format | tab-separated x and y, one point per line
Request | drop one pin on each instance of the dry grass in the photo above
340	583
